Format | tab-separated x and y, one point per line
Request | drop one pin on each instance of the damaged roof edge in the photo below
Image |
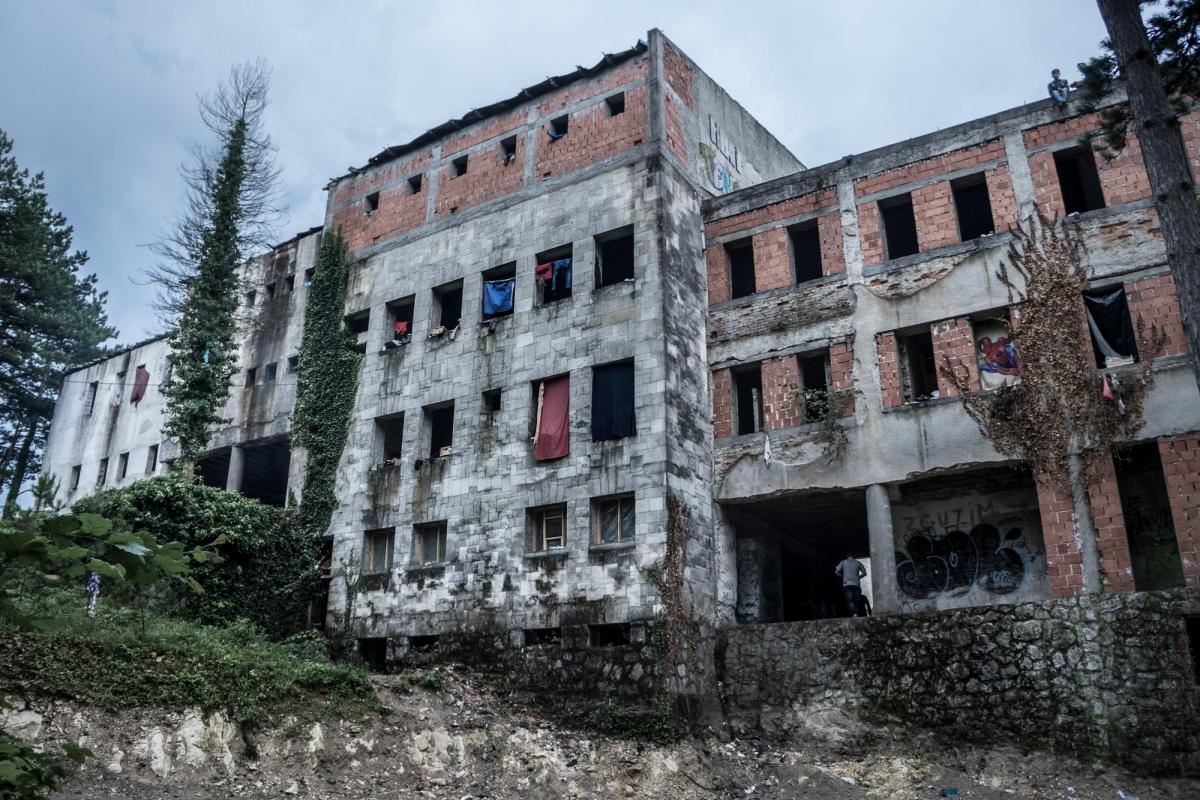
116	353
479	114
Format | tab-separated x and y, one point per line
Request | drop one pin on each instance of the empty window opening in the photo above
422	644
554	273
308	276
251	296
814	385
612	402
747	399
508	149
293	364
289	283
374	654
558	127
102	473
1191	628
610	635
806	251
265	473
93	390
1149	525
613	519
460	166
616	104
251	376
358	324
429	543
122	466
491	406
741	267
389	439
272	372
213	468
499	290
551	418
400	315
440	421
447	307
75	472
899	226
414	183
536	637
152	459
546	527
973	207
614	257
918	367
1113	339
371	203
270	287
1078	180
377	551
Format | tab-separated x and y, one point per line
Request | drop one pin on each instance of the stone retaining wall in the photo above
1109	677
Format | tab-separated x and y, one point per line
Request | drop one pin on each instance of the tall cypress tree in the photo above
230	204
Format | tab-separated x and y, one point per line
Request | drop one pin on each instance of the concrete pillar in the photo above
237	466
884	590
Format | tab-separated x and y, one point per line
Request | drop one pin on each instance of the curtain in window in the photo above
1112	329
498	297
612	402
552	439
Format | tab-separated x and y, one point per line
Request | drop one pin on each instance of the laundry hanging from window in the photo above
498	297
555	277
1111	327
612	402
552	434
141	379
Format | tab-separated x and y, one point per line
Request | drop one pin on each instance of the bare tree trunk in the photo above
1085	528
1166	160
10	451
19	469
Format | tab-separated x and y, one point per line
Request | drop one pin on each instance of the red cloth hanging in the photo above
401	328
544	272
1108	390
554	430
141	380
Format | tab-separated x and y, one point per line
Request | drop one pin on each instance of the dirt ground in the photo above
464	742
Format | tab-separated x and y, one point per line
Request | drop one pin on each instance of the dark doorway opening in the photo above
741	267
265	477
374	653
1078	180
213	468
1149	527
899	226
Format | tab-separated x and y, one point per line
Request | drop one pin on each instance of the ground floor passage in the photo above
257	469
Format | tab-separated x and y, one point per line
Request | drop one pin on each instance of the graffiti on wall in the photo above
955	562
997	357
715	169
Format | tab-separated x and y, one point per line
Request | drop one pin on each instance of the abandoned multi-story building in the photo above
616	294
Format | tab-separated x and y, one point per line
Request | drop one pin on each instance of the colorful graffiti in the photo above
957	562
997	357
713	168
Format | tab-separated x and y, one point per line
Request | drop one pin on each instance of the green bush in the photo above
269	572
126	658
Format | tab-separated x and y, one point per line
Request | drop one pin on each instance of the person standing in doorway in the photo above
852	572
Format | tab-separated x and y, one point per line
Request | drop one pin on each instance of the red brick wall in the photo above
1064	562
676	139
1181	468
954	340
804	204
870	233
398	211
722	397
833	255
488	176
937	223
889	370
841	371
678	73
781	393
1116	566
510	123
930	167
600	86
1004	202
1045	185
1155	301
719	290
592	135
772	260
1124	179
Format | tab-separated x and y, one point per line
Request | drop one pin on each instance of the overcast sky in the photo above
101	95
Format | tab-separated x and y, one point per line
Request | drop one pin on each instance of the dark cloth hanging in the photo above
553	431
1112	329
141	380
612	402
498	297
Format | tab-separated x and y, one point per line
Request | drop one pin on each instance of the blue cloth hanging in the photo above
498	297
562	273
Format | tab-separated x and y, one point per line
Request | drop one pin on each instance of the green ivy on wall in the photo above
328	382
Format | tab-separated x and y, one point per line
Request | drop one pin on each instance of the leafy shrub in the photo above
269	572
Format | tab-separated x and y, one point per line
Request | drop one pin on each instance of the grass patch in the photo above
124	658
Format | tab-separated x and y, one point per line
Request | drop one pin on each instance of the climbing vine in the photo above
1063	406
327	384
825	408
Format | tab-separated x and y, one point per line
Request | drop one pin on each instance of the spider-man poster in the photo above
996	355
